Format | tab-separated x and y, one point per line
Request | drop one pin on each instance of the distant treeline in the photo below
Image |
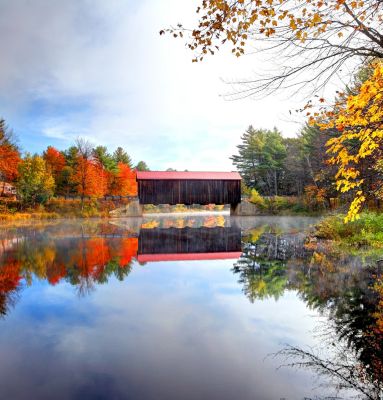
278	166
81	170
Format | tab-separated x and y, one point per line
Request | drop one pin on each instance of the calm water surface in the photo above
199	307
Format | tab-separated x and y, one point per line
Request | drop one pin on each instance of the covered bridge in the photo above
175	187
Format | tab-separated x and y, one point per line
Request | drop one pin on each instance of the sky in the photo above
100	70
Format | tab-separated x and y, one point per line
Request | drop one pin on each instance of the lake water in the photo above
177	307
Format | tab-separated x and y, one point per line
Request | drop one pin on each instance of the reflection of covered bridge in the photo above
175	244
174	187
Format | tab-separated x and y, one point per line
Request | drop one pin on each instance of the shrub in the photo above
257	199
367	230
315	197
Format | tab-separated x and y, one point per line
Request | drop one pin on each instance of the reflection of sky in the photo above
180	330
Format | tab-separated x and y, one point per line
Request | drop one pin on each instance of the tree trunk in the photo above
275	183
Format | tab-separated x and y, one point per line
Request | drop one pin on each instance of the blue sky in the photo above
99	69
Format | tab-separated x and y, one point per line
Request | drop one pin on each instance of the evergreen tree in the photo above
260	159
104	159
141	166
121	156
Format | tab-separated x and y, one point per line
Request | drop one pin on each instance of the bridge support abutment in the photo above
244	209
133	209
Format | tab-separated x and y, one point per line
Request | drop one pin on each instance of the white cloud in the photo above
131	86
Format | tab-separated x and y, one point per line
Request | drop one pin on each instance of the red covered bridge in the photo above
175	187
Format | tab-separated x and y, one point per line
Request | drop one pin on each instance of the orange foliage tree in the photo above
55	161
9	161
90	178
9	154
124	183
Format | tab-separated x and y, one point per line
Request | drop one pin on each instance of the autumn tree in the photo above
55	160
318	37
106	165
9	155
35	183
89	176
357	151
90	179
124	181
56	163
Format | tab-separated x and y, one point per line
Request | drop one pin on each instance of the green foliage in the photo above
141	166
120	155
366	231
71	156
283	204
260	159
35	183
108	162
274	165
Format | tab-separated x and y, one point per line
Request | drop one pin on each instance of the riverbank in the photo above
367	231
60	208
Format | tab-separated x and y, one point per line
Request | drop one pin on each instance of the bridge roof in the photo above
188	175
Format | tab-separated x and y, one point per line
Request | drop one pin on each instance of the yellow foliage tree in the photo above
359	120
35	182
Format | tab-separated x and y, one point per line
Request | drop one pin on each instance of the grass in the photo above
59	208
366	231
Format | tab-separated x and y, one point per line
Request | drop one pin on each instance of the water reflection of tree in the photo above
339	287
261	278
81	261
9	287
262	265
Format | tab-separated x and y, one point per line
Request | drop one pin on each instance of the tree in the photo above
357	150
104	159
89	176
120	155
56	163
68	185
317	36
106	165
91	180
35	182
9	154
71	156
294	176
141	166
260	159
124	182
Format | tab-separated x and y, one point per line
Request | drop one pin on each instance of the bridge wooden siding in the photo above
174	187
